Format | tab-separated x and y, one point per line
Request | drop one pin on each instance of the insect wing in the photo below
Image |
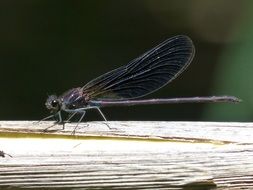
145	74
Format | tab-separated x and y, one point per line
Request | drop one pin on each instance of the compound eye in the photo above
54	103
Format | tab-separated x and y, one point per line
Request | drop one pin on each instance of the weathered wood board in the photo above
130	155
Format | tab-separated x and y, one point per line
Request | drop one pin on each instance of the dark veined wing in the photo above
145	74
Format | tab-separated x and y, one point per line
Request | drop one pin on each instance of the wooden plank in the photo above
131	155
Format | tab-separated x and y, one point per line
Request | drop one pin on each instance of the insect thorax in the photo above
73	99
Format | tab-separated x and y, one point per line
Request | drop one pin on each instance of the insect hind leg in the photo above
83	111
101	113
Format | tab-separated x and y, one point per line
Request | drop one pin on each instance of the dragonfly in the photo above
125	85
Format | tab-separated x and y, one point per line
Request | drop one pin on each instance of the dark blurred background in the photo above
48	47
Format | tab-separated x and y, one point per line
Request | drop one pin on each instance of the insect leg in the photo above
48	117
101	113
71	116
83	114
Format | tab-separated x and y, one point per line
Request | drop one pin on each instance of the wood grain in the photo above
130	155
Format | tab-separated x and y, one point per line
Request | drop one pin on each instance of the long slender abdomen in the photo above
208	99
